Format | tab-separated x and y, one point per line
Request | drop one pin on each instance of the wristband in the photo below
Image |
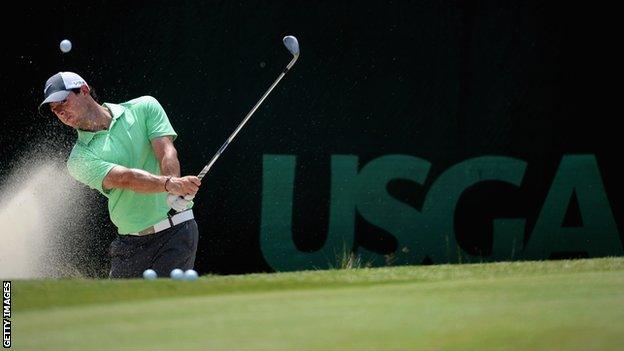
168	178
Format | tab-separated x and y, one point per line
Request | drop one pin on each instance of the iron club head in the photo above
292	44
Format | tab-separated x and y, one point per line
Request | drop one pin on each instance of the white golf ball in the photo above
65	45
190	274
177	274
149	274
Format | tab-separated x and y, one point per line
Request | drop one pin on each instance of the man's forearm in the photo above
141	181
169	164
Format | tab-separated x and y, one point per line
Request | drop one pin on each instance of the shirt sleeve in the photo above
89	169
156	119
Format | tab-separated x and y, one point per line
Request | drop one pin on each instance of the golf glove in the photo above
179	203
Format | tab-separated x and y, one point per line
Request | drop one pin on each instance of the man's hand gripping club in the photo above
181	191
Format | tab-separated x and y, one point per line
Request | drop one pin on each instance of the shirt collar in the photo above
85	136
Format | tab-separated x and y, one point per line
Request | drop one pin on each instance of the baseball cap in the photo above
58	86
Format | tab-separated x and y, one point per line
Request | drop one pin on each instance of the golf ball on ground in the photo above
65	45
190	274
149	274
177	274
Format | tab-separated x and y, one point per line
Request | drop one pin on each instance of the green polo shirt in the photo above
127	142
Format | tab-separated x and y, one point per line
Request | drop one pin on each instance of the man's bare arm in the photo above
141	181
167	156
134	179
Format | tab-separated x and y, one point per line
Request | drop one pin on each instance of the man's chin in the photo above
75	126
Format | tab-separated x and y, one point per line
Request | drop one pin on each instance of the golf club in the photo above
292	45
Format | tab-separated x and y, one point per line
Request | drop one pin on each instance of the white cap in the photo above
58	86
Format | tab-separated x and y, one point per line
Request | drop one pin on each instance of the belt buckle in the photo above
147	231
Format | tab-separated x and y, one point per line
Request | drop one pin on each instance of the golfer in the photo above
125	151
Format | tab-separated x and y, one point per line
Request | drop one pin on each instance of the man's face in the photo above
71	111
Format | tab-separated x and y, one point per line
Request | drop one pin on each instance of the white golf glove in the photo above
178	202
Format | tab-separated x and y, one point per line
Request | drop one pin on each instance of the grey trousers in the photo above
163	251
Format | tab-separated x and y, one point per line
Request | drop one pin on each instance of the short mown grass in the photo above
568	304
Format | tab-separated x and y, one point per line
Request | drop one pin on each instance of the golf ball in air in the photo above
65	45
149	274
190	274
177	274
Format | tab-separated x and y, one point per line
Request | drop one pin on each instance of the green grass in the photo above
552	305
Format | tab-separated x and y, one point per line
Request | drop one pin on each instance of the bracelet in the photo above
168	178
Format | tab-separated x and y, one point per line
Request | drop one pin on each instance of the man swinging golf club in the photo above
125	151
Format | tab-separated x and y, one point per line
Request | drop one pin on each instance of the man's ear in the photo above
84	89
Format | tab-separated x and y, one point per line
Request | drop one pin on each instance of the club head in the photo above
292	44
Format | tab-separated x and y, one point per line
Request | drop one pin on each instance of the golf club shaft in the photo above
240	126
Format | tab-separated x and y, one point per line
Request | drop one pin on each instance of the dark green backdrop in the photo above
413	132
